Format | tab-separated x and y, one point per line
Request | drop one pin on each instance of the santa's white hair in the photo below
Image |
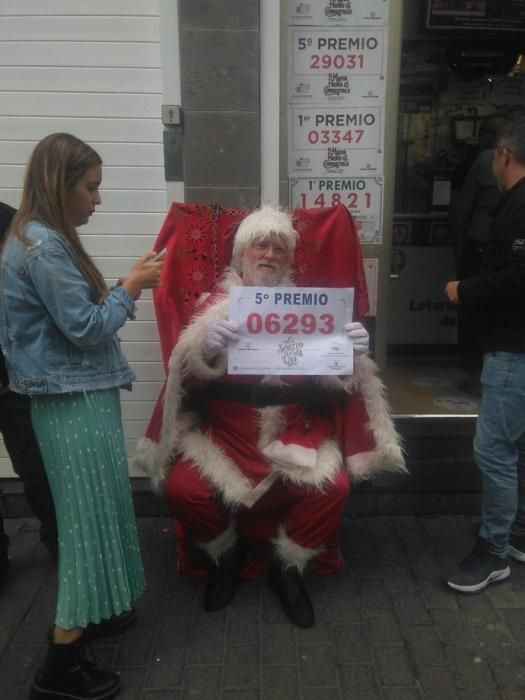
260	224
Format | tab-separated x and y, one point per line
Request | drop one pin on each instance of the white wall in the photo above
92	68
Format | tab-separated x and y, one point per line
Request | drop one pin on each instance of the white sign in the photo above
363	197
338	141
291	330
330	66
339	12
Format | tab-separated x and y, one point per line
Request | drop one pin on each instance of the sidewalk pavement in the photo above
386	626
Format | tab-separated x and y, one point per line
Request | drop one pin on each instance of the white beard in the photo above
262	277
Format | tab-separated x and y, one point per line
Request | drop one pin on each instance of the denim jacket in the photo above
55	339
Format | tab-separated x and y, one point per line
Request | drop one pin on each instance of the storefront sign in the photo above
339	141
339	12
333	65
363	196
475	15
291	330
418	309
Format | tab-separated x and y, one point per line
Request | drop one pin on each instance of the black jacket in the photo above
499	290
6	215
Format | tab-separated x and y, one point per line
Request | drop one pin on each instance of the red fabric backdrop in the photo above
199	243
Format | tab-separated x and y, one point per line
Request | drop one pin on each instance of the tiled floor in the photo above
386	627
428	386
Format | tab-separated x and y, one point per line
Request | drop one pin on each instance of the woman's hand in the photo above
145	274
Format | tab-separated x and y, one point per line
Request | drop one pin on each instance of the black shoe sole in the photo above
276	588
494	577
56	695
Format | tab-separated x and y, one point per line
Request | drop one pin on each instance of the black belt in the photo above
265	394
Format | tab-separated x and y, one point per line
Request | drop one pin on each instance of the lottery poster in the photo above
291	330
343	141
363	197
334	65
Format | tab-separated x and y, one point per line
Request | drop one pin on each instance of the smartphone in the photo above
160	255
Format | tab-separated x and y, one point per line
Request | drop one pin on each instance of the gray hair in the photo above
511	135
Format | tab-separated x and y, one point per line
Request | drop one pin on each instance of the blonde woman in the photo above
58	329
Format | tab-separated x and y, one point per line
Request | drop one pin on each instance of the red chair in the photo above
199	243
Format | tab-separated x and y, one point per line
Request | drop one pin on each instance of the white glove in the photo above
358	335
218	335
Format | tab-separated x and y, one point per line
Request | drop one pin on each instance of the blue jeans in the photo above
499	448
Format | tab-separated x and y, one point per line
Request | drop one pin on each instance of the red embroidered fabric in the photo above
199	241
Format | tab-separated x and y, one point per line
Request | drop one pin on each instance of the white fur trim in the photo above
189	345
216	467
271	424
327	464
388	455
288	460
292	554
332	381
261	488
291	455
221	544
186	357
144	460
222	472
363	464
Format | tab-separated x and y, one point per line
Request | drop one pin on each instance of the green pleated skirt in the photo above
100	568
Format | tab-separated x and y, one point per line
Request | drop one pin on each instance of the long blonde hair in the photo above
57	163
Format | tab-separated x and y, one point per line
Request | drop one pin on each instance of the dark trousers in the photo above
22	447
4	541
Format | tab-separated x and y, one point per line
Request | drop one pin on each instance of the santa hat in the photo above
260	224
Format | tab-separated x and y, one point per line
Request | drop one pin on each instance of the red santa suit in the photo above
256	456
259	455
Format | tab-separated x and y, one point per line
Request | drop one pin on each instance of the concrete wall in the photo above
220	99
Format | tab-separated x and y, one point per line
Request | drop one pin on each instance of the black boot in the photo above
67	673
288	583
222	579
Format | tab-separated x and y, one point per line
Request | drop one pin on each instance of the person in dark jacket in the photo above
470	219
498	292
22	448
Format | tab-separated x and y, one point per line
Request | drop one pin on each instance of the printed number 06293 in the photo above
290	323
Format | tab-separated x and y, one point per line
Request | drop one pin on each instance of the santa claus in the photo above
263	450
